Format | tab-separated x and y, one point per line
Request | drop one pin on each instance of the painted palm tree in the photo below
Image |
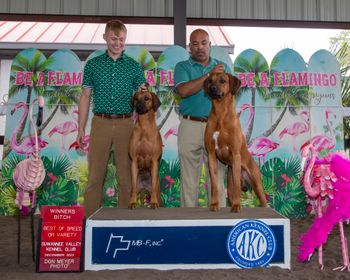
341	51
287	98
165	93
37	63
61	98
146	60
256	65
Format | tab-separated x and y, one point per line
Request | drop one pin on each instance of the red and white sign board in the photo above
61	238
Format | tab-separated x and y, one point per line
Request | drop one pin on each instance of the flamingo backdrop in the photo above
283	105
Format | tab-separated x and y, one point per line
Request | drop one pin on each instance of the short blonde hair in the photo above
115	25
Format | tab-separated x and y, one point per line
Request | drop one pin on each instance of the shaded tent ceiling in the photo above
83	37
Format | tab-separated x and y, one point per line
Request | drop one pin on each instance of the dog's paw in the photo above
214	207
132	205
264	204
236	208
154	205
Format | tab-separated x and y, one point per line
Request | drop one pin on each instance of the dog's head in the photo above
218	85
143	101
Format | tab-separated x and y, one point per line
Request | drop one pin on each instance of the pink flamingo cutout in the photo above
29	174
323	142
297	128
172	131
27	145
261	146
326	178
65	128
86	146
251	114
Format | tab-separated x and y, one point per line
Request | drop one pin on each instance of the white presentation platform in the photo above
186	238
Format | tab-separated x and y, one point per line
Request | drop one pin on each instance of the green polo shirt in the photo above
199	104
113	82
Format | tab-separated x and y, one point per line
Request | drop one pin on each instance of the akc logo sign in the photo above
251	243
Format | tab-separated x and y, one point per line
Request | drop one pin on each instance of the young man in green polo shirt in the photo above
110	80
195	106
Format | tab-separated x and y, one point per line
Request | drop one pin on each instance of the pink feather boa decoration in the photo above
338	209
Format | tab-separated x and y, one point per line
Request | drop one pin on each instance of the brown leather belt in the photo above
113	116
197	119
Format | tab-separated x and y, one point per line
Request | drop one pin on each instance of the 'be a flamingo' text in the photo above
288	79
51	78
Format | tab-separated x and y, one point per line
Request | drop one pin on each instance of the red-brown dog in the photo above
225	141
145	148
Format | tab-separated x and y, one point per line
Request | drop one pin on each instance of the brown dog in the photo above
145	148
225	141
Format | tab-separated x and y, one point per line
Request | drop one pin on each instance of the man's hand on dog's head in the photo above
219	68
143	87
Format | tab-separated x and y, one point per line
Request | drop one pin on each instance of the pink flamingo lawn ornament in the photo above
297	128
326	177
322	141
28	175
65	128
27	145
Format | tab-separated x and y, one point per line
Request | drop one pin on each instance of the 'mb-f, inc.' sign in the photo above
178	244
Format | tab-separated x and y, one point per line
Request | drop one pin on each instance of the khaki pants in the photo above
192	154
104	134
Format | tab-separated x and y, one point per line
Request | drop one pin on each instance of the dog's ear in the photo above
132	102
205	85
235	83
155	102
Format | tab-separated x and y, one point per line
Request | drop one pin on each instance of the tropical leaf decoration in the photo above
269	188
290	201
248	199
7	201
79	172
58	166
282	186
58	187
203	199
61	192
8	165
171	195
110	187
169	174
7	186
55	190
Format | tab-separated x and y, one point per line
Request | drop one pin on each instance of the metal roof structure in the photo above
89	36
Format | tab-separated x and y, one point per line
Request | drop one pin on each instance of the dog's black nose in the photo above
141	108
213	89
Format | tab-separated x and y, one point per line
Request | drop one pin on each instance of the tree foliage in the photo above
339	46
